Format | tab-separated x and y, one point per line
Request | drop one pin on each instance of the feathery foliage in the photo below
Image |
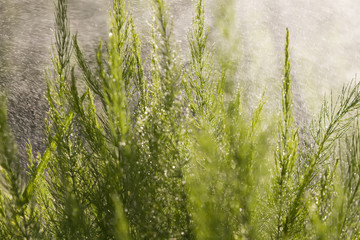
168	150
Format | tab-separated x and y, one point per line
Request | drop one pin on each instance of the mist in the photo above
324	40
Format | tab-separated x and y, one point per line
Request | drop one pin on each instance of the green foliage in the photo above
172	151
19	215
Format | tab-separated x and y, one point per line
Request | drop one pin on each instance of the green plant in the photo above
175	152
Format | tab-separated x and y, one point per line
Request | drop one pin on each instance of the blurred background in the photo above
324	48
